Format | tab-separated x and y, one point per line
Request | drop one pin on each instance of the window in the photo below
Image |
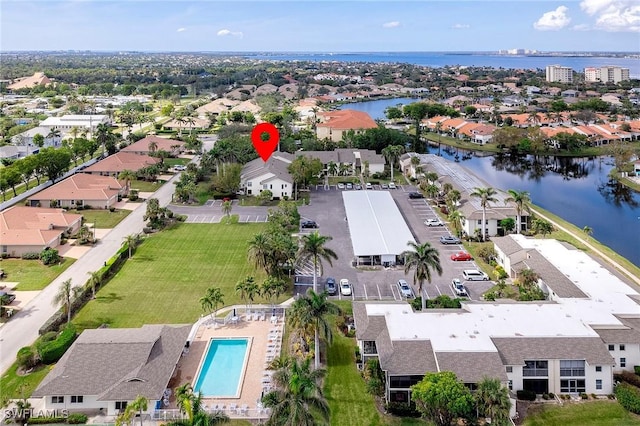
479	221
509	369
121	405
265	186
77	399
57	399
623	362
535	368
571	368
598	384
598	368
612	348
622	347
510	384
249	184
572	385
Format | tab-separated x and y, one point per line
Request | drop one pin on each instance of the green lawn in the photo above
600	413
32	274
169	273
176	161
144	186
14	386
103	218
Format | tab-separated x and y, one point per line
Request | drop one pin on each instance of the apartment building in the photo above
559	74
608	74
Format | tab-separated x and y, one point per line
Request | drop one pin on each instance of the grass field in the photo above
144	186
14	386
168	274
103	218
32	274
595	413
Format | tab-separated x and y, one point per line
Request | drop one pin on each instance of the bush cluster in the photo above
629	397
49	256
52	351
402	409
77	419
629	377
525	395
31	256
636	368
27	357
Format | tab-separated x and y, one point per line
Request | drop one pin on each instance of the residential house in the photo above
121	161
10	152
187	124
26	138
151	143
216	107
353	159
107	368
569	93
32	229
37	79
247	106
80	190
272	175
65	123
334	124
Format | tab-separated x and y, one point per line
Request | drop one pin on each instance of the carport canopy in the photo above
376	225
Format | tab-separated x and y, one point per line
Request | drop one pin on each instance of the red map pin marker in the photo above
265	148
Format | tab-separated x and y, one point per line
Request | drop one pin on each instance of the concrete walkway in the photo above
23	328
606	258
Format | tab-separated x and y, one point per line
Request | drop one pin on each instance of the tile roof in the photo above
514	350
81	186
34	226
142	145
118	364
472	367
36	79
122	161
347	119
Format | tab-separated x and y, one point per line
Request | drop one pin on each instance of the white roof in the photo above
375	223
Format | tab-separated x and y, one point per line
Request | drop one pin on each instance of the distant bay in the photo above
435	59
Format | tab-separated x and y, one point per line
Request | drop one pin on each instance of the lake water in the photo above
576	189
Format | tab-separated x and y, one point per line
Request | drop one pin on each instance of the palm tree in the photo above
226	208
456	218
259	250
391	153
152	147
298	398
65	295
247	289
131	241
127	176
522	201
588	231
313	249
272	288
210	301
492	400
139	404
486	196
423	258
332	168
308	314
95	279
191	405
438	130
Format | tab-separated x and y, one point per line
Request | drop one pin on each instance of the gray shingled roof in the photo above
514	350
629	333
368	327
507	245
405	356
552	277
118	364
472	367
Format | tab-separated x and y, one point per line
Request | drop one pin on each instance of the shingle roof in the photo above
629	332
405	356
81	186
118	364
507	245
552	277
472	367
514	350
276	165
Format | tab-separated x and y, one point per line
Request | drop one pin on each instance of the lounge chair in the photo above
233	408
244	410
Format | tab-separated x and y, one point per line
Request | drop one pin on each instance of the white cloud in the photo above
460	26
553	20
392	24
581	27
614	15
179	30
592	7
225	32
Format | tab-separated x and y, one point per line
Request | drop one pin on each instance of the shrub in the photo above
402	409
112	209
134	195
51	352
48	336
30	256
546	396
45	420
629	397
26	357
77	419
525	395
552	395
629	377
49	256
584	395
636	368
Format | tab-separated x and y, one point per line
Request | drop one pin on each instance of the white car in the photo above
433	222
405	290
392	185
368	186
341	186
458	288
179	168
345	287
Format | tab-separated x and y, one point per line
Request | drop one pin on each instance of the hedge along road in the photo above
22	329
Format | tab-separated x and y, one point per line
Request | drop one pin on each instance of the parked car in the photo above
415	195
449	239
345	287
349	186
433	222
341	185
458	288
461	255
308	224
180	168
358	186
368	186
331	286
392	185
405	290
474	275
6	298
384	186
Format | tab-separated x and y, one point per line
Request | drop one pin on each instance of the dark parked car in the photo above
415	195
6	298
308	224
331	286
449	239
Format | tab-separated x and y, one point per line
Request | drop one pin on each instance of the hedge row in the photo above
629	377
52	351
629	397
525	395
72	419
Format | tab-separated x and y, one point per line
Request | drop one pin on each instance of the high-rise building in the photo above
608	74
560	74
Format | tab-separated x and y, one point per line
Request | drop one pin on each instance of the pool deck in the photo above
252	387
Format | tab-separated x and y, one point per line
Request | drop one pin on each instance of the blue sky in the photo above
345	26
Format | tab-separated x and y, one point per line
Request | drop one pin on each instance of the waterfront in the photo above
376	108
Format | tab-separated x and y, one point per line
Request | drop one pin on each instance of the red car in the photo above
461	255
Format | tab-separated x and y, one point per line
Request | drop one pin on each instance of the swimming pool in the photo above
222	369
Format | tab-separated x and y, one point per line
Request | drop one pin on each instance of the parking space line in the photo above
365	292
393	293
379	294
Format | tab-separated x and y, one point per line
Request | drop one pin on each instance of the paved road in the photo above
23	328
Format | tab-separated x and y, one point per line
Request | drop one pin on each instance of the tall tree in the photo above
522	200
226	208
309	314
423	259
64	297
191	405
492	401
416	111
486	196
442	398
131	241
127	176
95	279
313	249
392	153
298	398
210	301
247	289
272	288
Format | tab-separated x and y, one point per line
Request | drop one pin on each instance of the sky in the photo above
320	26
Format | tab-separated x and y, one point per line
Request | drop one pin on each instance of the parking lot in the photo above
327	209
